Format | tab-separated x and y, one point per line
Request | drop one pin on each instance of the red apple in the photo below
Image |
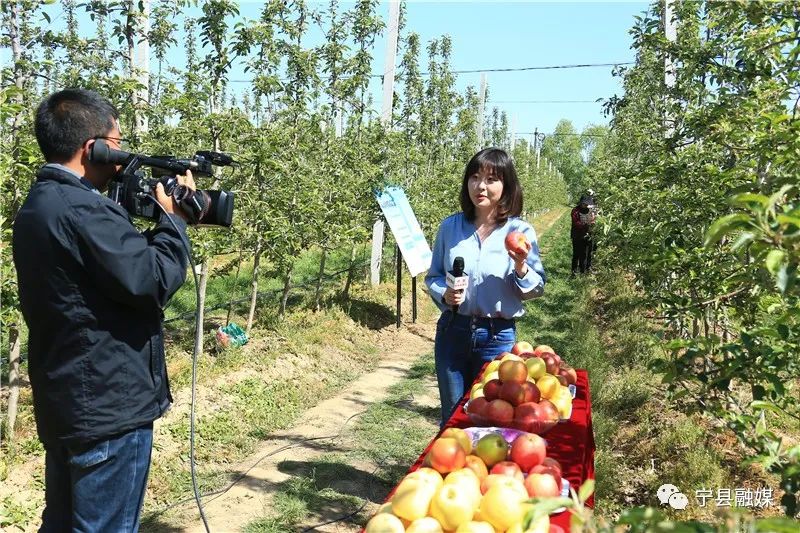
477	411
542	349
491	449
501	413
571	375
502	355
541	486
522	347
549	471
512	392
552	463
517	243
507	468
532	393
491	391
550	364
528	417
563	380
513	371
447	455
549	411
527	451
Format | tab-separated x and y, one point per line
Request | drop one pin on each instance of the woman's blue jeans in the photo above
463	345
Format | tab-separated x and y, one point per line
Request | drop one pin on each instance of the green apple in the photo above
492	449
536	367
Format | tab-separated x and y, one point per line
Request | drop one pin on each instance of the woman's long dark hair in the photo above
499	163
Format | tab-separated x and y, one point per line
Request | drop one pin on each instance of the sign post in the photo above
411	243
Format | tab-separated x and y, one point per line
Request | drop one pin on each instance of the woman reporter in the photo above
499	280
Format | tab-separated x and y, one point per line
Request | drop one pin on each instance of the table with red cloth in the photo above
570	442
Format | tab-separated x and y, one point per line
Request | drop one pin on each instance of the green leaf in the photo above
769	406
776	525
747	198
586	490
789	220
725	225
774	260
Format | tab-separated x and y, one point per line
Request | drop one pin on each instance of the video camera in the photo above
136	192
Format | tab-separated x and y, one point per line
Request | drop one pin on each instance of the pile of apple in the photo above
520	390
466	490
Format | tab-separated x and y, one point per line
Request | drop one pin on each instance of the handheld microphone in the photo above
456	279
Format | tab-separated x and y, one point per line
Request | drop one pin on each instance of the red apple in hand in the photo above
517	242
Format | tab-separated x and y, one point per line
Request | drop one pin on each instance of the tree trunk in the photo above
201	305
319	279
350	273
254	289
287	284
235	285
13	378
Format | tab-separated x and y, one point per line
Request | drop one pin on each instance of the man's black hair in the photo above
67	119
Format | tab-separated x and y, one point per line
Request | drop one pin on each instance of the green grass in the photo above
596	322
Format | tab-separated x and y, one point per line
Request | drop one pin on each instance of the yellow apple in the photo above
477	394
492	367
461	436
453	505
548	386
489	376
511	357
384	523
425	525
474	526
428	475
501	506
475	387
536	367
466	478
541	525
412	499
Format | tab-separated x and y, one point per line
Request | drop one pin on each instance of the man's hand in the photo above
168	202
452	297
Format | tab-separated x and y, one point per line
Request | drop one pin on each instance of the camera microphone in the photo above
456	279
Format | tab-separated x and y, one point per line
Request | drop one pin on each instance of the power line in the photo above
518	69
547	101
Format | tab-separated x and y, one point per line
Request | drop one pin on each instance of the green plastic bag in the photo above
231	335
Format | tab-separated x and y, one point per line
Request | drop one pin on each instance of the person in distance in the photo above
478	323
92	289
583	219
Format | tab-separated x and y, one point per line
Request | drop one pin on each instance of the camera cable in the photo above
194	364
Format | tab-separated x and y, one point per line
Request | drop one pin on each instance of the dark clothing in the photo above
582	242
582	254
91	289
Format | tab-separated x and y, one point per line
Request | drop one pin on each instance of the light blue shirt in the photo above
494	289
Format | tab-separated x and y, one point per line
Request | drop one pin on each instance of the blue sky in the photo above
488	35
491	35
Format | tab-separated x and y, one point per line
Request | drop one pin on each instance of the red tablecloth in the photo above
571	443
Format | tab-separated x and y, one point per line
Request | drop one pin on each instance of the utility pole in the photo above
670	72
481	104
378	227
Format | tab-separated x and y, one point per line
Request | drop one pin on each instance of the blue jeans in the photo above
97	487
462	346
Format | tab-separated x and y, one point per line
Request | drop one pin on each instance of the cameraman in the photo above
91	289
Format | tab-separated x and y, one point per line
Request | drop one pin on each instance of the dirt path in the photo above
260	473
249	498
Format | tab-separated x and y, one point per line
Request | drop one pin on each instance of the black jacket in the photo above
92	288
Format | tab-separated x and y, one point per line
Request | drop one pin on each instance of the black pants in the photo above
581	253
